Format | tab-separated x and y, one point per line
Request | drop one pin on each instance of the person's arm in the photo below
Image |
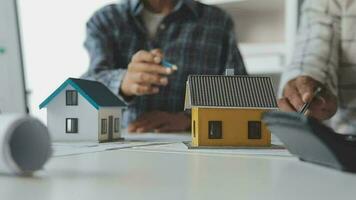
315	61
143	74
234	59
99	44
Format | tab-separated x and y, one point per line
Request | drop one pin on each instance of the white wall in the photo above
53	33
87	118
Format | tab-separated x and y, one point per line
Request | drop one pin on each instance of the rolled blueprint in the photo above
25	144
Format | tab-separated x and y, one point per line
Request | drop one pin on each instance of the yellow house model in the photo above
227	110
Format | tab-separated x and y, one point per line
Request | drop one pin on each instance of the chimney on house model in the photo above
229	72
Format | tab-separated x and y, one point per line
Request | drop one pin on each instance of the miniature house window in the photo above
71	98
116	125
71	125
215	130
104	126
254	130
194	128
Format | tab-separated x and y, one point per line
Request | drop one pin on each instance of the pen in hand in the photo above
167	64
306	106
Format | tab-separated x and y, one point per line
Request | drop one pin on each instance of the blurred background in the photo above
53	33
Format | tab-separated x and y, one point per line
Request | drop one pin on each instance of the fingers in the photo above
139	84
143	56
306	87
148	68
133	127
146	123
293	96
140	90
178	122
164	129
285	105
157	52
300	91
144	74
154	56
161	122
158	55
149	79
321	107
324	109
136	89
149	127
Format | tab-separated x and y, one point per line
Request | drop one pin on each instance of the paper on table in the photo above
25	144
173	137
66	149
181	147
156	142
131	140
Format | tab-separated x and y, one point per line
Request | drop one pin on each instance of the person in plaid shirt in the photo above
325	56
127	42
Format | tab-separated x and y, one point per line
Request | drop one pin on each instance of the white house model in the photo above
82	110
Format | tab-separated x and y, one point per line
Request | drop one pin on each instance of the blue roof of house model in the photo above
97	94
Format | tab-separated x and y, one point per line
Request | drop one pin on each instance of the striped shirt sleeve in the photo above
100	48
318	44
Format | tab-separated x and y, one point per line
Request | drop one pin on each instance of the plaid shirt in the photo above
198	38
326	51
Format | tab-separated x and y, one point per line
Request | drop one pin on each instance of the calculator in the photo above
312	141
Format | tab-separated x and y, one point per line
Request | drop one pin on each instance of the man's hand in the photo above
299	91
145	74
161	122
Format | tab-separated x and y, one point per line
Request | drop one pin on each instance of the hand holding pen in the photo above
306	106
146	72
302	94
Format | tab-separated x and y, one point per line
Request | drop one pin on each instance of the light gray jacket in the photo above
326	51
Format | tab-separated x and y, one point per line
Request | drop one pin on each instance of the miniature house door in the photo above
111	130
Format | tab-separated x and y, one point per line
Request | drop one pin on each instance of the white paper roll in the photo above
25	144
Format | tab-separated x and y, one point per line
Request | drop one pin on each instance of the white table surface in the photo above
145	173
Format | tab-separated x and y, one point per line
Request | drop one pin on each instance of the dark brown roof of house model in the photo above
230	92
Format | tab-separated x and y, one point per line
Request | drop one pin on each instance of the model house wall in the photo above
112	115
83	110
58	112
234	127
227	110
